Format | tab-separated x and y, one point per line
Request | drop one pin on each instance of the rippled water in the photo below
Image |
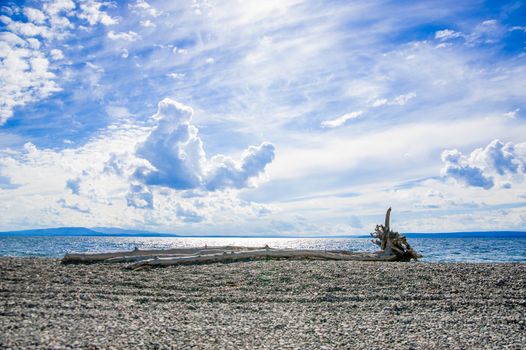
433	249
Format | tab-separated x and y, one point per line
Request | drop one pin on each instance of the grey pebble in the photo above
262	304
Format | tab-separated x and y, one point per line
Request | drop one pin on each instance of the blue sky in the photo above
263	117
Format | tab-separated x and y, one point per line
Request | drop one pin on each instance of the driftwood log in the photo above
157	258
138	255
392	242
394	247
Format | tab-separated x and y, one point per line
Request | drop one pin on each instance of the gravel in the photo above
263	304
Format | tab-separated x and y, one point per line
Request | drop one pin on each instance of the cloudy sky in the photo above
263	117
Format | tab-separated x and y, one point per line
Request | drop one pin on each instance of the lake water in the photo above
433	249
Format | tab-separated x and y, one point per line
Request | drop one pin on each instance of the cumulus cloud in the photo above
173	149
26	29
56	54
34	15
484	164
177	158
457	167
57	12
58	6
143	7
334	123
93	13
500	157
227	173
115	165
129	36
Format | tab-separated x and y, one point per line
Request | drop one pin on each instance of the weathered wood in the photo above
393	247
265	254
90	258
393	243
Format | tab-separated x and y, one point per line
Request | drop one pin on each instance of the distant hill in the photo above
82	231
119	232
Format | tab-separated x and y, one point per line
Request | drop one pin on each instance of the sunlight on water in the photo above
433	249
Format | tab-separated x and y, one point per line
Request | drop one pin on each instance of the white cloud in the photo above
56	54
56	7
188	215
447	34
116	164
484	164
379	102
34	15
498	156
25	72
519	28
27	29
118	112
139	197
143	7
457	167
24	75
90	11
227	173
33	43
90	186
147	24
334	123
401	100
129	36
177	76
177	50
177	159
58	10
512	114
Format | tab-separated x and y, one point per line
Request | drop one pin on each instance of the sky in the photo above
278	117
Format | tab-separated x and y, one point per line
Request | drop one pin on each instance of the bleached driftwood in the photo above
137	254
264	254
393	243
188	256
393	247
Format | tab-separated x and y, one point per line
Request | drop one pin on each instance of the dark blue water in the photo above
433	249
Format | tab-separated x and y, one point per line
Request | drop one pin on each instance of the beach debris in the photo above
226	254
393	245
392	242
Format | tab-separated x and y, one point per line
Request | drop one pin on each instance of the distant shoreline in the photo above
86	232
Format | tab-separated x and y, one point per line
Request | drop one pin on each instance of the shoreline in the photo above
263	304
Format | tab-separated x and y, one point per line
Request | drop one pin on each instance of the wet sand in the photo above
263	304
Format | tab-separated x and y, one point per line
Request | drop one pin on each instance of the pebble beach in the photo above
263	304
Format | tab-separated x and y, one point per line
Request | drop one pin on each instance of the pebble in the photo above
263	305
